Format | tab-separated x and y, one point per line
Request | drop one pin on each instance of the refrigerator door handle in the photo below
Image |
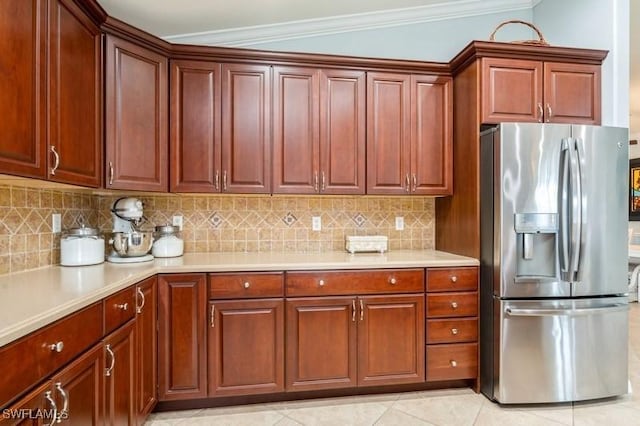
576	208
563	209
514	312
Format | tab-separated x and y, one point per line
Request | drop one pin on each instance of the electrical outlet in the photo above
177	221
399	223
56	223
316	223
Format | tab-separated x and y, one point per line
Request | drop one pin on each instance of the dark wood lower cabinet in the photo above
22	412
246	347
146	347
119	353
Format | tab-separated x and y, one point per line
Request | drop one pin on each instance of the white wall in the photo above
432	41
596	24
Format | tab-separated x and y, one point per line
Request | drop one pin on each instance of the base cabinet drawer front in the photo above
452	330
246	347
22	357
452	279
119	308
249	285
451	362
321	346
452	304
339	283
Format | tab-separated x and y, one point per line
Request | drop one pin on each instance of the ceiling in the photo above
166	18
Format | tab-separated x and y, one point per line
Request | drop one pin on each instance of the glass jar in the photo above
81	246
167	242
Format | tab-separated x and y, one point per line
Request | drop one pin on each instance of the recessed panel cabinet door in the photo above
136	117
342	131
75	100
195	126
321	343
120	371
246	128
388	133
572	93
246	347
22	87
391	340
146	347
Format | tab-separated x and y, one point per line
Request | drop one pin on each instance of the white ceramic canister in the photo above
81	246
167	242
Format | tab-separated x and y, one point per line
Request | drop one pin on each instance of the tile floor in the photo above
441	407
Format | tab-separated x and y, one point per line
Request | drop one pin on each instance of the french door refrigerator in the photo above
554	308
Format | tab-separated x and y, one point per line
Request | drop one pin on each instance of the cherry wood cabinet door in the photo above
391	343
75	96
572	93
296	128
342	131
78	389
119	364
431	135
41	400
136	143
246	128
321	343
146	347
511	90
195	145
388	133
182	344
246	347
23	98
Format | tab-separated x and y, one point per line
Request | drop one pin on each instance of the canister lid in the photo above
82	231
167	229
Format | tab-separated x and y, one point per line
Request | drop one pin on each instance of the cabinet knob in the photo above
454	305
321	283
393	281
123	306
454	331
246	284
453	363
57	347
454	279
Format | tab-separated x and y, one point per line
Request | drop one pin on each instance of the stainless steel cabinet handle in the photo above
142	298
516	312
407	184
453	363
246	284
540	112
123	306
454	305
361	310
549	112
454	279
65	403
54	407
57	160
415	182
110	173
217	180
213	316
112	364
315	181
321	283
393	281
57	347
353	310
224	180
454	331
322	186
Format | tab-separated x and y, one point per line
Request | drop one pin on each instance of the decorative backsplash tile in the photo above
211	223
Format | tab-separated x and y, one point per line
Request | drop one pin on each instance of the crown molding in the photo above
247	36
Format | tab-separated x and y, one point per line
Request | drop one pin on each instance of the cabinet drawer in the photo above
34	357
452	279
119	308
452	330
458	304
450	362
234	286
337	283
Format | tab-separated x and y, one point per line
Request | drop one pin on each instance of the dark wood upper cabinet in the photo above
182	338
146	347
136	143
195	146
572	93
246	128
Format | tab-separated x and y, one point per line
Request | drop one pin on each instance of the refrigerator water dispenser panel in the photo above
536	244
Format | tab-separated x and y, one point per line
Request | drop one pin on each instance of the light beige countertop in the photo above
30	300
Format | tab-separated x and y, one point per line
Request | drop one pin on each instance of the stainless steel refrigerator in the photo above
554	308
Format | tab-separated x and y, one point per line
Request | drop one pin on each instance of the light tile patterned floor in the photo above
441	408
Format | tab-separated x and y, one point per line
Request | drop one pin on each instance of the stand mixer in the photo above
128	243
